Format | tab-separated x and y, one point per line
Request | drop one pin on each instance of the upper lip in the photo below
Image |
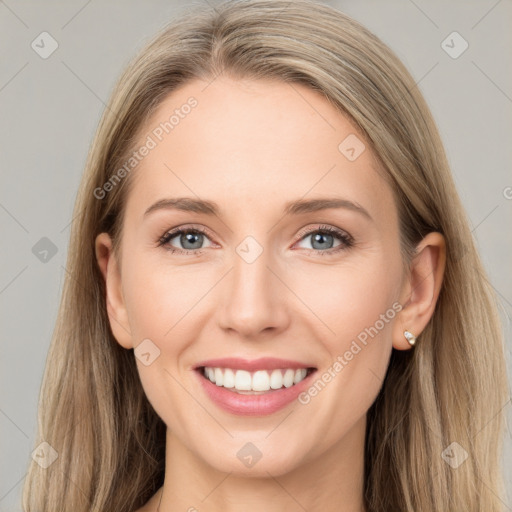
263	363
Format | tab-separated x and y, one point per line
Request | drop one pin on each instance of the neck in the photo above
332	482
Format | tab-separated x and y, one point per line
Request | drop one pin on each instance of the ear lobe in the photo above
421	290
114	299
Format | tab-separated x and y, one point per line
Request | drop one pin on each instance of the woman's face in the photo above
271	285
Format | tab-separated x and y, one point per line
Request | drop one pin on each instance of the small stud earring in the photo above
410	337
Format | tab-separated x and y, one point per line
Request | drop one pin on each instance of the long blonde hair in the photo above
451	387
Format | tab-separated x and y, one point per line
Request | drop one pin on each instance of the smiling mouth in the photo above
257	382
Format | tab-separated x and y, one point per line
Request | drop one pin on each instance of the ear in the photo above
116	308
421	289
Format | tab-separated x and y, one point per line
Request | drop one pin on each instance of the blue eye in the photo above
191	240
322	240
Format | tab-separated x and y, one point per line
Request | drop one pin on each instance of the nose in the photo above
253	298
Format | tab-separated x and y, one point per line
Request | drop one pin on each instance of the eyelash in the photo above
346	240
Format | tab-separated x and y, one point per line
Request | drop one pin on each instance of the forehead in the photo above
243	143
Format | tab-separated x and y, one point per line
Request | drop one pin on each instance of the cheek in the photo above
359	305
160	305
164	392
352	298
159	297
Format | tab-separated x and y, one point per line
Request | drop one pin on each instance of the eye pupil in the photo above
320	238
191	240
194	238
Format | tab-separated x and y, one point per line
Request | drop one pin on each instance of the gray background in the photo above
49	109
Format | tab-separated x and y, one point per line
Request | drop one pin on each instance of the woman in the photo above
273	298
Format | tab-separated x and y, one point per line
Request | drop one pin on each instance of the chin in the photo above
249	462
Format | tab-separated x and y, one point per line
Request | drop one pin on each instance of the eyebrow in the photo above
297	207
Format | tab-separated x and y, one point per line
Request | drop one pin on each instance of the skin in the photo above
252	146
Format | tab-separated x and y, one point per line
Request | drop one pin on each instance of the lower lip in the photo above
252	405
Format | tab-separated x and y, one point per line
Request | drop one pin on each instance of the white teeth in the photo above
219	377
259	381
276	379
229	378
299	375
288	378
243	380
